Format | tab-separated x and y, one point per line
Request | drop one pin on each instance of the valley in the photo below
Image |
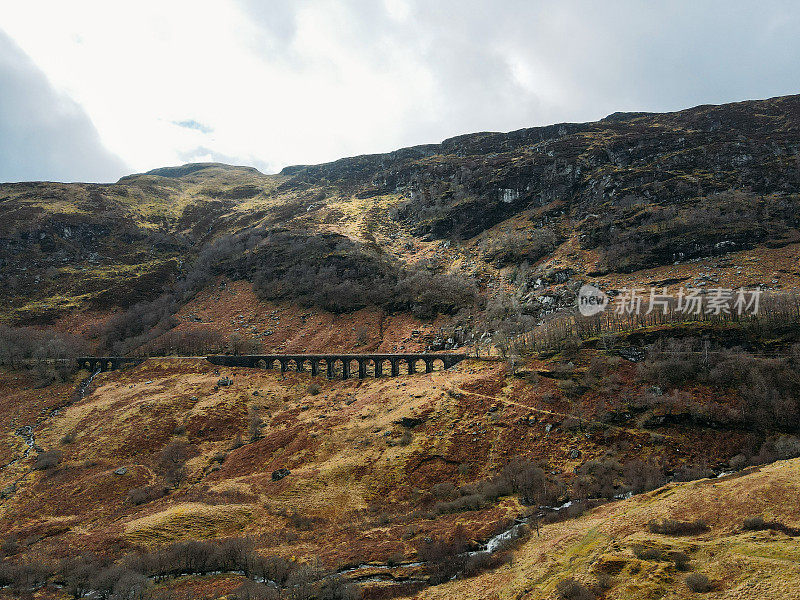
456	403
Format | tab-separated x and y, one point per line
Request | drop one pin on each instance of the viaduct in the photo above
382	364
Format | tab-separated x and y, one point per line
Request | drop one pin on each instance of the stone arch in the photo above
306	364
291	365
374	367
438	364
353	365
338	367
386	367
110	366
261	364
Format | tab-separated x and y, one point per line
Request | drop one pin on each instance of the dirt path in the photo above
507	401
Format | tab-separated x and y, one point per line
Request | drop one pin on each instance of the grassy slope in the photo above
351	469
742	564
357	486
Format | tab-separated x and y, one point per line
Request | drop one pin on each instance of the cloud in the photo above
192	124
271	83
43	134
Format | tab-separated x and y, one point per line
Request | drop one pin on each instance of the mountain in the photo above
615	456
633	191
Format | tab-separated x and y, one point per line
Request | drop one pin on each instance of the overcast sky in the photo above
92	90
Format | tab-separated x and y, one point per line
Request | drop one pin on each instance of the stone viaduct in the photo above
106	363
382	364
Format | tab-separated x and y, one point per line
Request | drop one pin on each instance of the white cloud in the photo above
44	134
276	83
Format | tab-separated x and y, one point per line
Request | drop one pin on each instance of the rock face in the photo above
636	189
481	179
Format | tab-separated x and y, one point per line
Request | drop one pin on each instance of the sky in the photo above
93	90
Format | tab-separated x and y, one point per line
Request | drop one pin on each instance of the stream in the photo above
83	388
26	432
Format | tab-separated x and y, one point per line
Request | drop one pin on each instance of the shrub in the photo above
251	590
672	527
445	490
648	553
697	582
68	438
484	561
256	423
443	559
525	478
464	503
314	389
595	478
172	462
571	589
759	524
147	493
47	460
753	524
681	560
10	546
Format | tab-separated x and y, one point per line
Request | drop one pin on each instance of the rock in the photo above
547	428
121	471
280	474
409	422
574	453
224	381
494	408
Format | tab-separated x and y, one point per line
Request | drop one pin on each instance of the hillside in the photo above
613	548
555	205
542	457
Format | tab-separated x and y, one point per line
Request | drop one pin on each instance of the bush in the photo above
681	560
464	503
759	524
754	524
47	460
526	479
147	493
596	478
314	389
697	582
672	527
648	553
571	589
446	490
172	460
251	590
10	546
443	559
256	423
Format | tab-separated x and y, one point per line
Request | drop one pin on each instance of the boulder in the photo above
280	474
